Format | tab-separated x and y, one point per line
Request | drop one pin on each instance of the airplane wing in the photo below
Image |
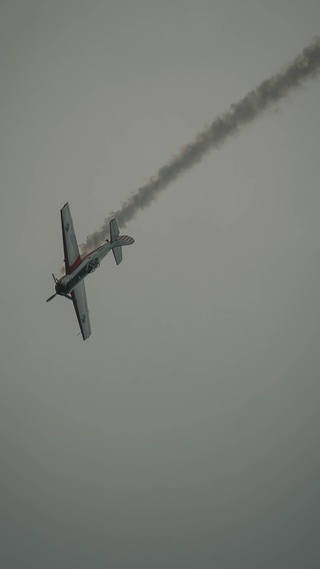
80	304
70	246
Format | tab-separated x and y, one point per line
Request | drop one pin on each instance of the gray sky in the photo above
184	432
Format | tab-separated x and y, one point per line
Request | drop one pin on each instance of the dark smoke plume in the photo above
270	91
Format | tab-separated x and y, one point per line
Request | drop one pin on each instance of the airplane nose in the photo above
60	287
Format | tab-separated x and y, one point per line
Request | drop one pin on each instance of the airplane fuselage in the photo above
71	285
88	264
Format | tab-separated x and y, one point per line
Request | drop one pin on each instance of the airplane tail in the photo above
115	237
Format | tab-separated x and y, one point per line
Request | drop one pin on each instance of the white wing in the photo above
70	246
80	304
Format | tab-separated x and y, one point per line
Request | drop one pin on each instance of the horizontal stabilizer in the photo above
117	253
114	230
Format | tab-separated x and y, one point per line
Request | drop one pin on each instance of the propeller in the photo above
51	297
55	280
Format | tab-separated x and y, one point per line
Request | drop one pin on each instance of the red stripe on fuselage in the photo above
91	252
79	260
72	267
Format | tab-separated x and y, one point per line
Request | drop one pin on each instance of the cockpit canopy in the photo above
93	265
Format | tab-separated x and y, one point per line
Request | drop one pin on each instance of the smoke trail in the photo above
270	91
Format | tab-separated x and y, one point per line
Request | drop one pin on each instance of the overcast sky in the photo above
185	432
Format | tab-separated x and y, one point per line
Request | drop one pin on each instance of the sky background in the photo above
185	432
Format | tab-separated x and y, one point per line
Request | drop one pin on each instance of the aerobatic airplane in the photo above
71	285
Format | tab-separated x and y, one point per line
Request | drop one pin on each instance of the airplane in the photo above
71	285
